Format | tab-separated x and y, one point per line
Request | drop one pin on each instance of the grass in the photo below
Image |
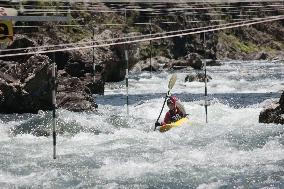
246	47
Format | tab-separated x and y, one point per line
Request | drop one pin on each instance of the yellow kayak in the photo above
181	122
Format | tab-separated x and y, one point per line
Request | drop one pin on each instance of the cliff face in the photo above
75	67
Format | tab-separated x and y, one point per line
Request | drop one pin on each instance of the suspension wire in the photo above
147	39
146	10
128	37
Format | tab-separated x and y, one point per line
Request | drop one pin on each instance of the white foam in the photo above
126	152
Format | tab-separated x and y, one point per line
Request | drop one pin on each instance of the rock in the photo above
156	64
75	69
194	60
274	113
20	41
74	95
115	64
200	77
213	63
74	101
258	56
30	91
281	101
177	64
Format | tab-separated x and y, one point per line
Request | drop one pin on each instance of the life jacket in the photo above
177	113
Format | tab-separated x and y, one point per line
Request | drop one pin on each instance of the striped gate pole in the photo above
126	80
206	99
54	107
126	70
205	80
150	46
94	65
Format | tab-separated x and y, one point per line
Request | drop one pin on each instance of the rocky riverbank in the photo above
25	80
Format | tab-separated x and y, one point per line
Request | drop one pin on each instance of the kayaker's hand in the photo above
157	124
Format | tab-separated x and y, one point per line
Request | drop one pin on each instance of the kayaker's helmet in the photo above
172	100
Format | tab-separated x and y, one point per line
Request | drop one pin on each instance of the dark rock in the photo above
194	60
281	102
7	65
7	78
262	56
200	77
155	64
75	69
74	101
114	69
74	95
20	41
177	64
274	113
213	63
31	90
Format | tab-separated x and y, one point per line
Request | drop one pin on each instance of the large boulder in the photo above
200	77
26	87
73	93
273	113
21	42
29	90
191	60
194	60
153	64
115	63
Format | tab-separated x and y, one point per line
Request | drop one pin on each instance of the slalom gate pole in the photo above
126	80
206	99
54	107
94	65
205	81
126	70
150	47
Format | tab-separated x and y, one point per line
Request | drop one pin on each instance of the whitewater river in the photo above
109	149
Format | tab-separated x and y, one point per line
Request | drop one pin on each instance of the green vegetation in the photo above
236	43
244	46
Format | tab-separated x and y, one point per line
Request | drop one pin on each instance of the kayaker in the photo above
175	113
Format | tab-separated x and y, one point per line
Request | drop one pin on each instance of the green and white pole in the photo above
206	98
126	80
54	107
126	70
94	65
151	46
205	81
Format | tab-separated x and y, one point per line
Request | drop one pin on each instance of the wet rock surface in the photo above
273	113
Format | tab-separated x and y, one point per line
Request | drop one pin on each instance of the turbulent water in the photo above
109	149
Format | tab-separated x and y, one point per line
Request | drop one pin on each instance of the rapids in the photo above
109	149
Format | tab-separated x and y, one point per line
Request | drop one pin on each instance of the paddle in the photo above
170	86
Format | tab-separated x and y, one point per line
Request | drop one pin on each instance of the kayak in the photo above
181	122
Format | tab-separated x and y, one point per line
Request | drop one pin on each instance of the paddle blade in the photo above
172	81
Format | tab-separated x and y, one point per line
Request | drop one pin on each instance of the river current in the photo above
110	149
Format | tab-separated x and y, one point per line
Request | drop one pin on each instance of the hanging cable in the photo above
147	39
